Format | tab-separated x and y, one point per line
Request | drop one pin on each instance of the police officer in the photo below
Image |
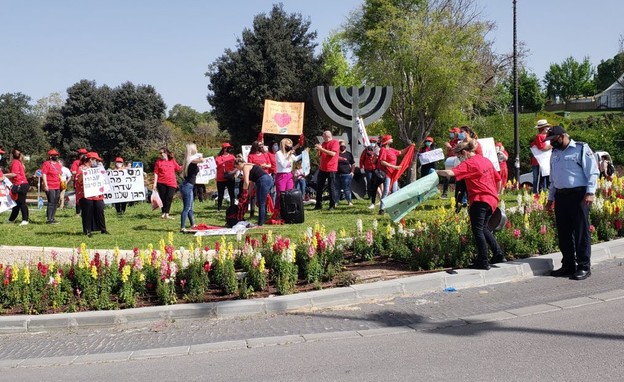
573	176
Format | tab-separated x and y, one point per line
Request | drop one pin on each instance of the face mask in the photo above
118	165
556	143
427	143
275	148
94	163
452	135
288	148
343	148
0	156
54	158
461	136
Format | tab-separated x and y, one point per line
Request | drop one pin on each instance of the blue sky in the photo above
47	46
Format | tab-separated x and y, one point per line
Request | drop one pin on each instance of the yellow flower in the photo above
15	274
161	246
94	272
57	278
26	275
51	266
343	232
141	277
170	237
314	242
230	251
317	227
270	237
458	227
116	255
198	242
125	273
388	231
191	247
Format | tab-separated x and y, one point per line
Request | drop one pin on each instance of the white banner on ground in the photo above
6	203
126	185
305	162
489	151
431	156
543	159
207	171
95	182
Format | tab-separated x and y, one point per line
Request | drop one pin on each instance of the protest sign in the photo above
305	162
6	203
245	150
282	118
543	159
126	185
431	156
207	171
489	151
95	181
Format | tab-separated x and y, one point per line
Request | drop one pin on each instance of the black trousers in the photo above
330	178
221	186
572	216
22	190
53	202
92	212
480	214
166	195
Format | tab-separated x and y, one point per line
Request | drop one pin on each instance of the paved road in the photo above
424	312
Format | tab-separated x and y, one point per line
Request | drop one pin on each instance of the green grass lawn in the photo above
140	226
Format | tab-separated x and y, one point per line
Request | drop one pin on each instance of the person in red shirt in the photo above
20	184
91	208
388	158
329	153
258	156
165	182
225	174
74	168
484	184
51	171
368	162
450	145
502	155
539	142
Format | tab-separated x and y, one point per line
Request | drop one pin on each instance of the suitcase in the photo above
291	206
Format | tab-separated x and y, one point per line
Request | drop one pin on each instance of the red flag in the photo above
301	140
405	163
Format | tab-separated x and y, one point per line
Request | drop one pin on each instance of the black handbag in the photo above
380	174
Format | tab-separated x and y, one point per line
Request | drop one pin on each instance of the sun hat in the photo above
386	138
430	139
542	123
82	151
225	145
53	152
119	159
93	155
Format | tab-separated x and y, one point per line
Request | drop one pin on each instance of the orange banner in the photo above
282	118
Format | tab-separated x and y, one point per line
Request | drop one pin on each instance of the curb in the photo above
413	286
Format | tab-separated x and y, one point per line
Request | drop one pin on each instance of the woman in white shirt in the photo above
284	159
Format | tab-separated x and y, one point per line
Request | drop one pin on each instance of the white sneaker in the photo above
371	206
350	204
24	222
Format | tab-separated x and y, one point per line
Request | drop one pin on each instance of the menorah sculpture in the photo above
341	106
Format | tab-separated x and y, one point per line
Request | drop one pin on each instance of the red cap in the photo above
429	139
454	130
119	159
93	155
82	151
386	139
499	144
53	152
2	151
225	145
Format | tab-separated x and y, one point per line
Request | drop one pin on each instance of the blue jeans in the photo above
263	186
480	214
186	189
300	184
345	185
539	182
386	187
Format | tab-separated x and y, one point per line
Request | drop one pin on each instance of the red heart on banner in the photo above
103	171
102	189
282	119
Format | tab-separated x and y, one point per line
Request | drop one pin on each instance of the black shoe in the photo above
105	233
89	234
581	274
317	208
381	212
482	266
331	208
562	272
498	259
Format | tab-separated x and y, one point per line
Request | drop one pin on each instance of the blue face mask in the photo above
461	136
428	143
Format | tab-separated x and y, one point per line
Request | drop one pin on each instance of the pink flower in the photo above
369	237
311	251
592	229
517	233
54	254
331	239
543	229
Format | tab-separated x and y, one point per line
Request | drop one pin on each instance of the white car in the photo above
526	179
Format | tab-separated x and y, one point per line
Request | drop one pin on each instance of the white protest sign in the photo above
305	162
95	182
6	203
431	156
489	151
543	159
126	185
207	171
245	149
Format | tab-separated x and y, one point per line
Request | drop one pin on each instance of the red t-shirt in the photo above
273	162
390	155
368	162
225	163
449	151
74	166
540	142
481	180
166	171
260	159
53	172
17	168
330	163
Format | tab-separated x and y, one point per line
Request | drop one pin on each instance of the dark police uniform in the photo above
573	173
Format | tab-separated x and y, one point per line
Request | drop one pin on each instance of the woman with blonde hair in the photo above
284	158
189	174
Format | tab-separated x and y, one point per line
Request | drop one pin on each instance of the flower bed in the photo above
246	267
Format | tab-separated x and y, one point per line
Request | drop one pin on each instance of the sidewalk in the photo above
310	301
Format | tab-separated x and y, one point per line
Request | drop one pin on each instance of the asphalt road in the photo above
571	334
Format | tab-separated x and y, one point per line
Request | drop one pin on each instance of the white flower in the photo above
359	226
375	224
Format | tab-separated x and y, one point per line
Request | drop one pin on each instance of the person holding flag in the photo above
388	158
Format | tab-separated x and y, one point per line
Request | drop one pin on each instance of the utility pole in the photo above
515	99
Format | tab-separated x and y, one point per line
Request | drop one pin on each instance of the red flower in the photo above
207	248
135	250
96	259
6	282
618	224
206	266
265	239
217	246
122	263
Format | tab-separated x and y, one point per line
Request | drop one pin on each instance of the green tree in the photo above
125	121
530	97
431	52
19	126
186	118
273	60
570	79
609	71
335	64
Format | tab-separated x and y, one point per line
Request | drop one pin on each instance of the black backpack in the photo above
610	169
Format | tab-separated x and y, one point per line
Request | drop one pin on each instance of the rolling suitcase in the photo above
291	206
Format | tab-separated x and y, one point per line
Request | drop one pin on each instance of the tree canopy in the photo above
124	121
273	60
570	79
19	126
609	71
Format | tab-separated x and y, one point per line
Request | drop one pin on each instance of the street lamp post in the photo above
515	99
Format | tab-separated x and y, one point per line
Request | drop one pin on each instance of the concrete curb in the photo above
413	286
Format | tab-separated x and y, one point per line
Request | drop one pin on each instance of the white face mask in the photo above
118	165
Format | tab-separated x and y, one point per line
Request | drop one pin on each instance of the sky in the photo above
48	46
